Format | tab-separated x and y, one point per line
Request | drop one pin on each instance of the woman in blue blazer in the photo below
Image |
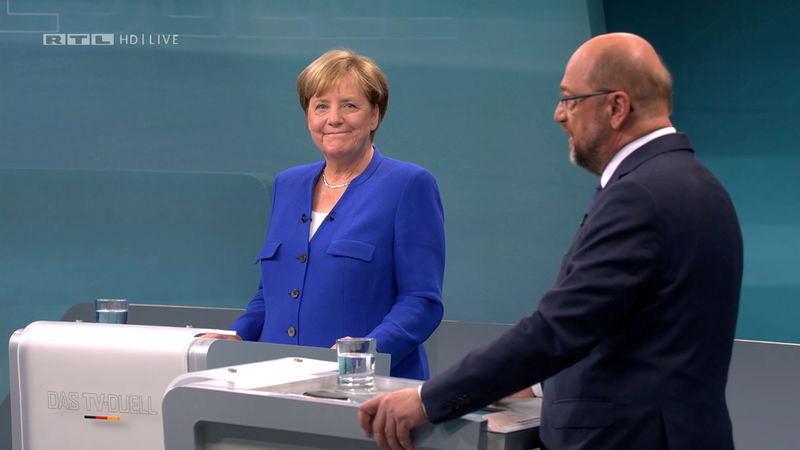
355	245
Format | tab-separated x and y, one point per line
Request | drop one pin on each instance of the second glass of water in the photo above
356	364
111	310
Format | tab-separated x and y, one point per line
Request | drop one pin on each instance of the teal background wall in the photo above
473	88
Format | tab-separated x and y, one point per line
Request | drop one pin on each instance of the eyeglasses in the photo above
569	102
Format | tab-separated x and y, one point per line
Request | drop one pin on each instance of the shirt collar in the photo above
625	151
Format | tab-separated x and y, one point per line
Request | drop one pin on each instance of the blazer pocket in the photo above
582	413
268	251
352	249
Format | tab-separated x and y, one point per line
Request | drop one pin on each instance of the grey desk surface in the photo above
220	353
763	395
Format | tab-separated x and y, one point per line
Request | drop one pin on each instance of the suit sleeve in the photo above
601	277
419	254
251	323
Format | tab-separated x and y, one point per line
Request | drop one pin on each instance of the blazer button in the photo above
291	331
302	258
295	293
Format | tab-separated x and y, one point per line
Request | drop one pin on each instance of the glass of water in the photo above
111	310
356	364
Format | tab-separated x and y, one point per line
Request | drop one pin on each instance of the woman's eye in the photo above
321	106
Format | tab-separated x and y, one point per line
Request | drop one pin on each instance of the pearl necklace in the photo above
332	186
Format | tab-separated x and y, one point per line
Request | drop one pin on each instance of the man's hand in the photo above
391	417
525	393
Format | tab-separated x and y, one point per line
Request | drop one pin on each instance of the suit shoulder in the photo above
403	168
302	172
670	169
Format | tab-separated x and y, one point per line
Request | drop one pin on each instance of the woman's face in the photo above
340	120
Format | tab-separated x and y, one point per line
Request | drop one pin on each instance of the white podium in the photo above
295	403
82	386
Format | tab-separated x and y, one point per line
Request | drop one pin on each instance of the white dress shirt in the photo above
625	151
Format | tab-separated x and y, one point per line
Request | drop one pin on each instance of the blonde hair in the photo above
332	67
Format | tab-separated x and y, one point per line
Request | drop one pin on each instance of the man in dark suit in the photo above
634	340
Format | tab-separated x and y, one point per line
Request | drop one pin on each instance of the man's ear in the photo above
620	108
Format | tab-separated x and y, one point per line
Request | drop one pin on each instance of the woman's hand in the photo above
346	337
229	337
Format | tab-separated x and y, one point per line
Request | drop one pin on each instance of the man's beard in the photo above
587	157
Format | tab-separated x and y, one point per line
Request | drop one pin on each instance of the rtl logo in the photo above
78	39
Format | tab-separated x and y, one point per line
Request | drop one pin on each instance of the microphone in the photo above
330	215
304	218
583	220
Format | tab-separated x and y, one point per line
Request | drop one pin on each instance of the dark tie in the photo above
597	190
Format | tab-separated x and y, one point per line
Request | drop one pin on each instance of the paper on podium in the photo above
514	414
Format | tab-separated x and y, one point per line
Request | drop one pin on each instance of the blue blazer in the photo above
373	268
635	337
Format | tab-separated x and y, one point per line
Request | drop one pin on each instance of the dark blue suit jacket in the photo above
374	267
634	339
